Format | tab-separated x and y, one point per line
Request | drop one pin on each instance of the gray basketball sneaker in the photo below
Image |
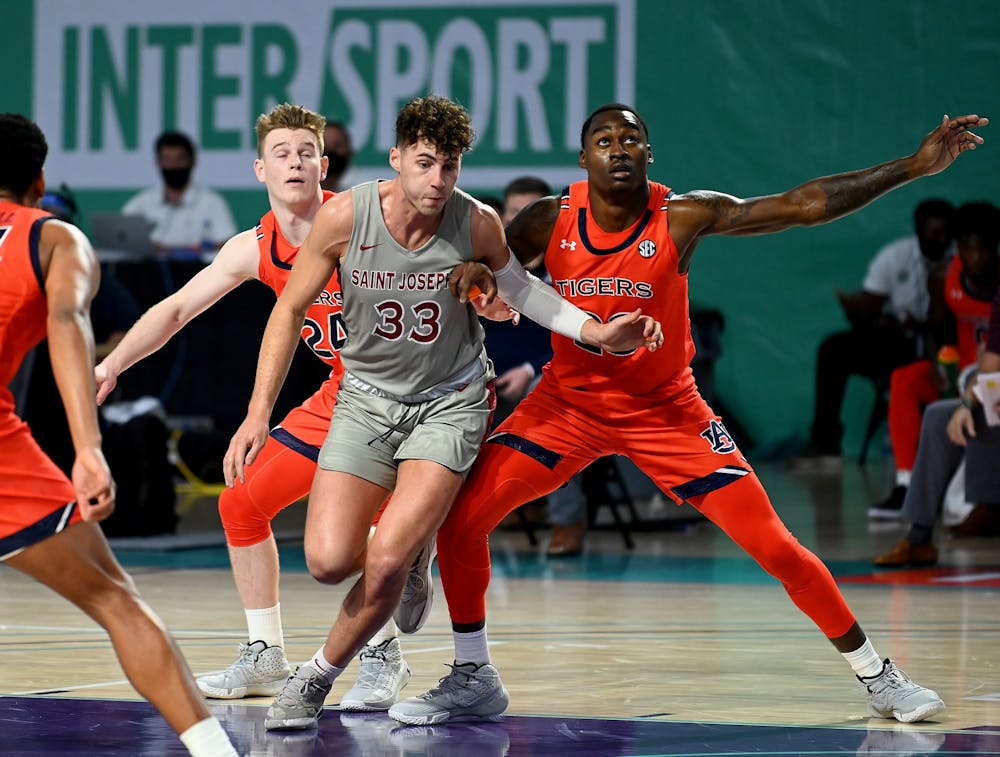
468	692
259	671
383	675
418	593
892	695
300	703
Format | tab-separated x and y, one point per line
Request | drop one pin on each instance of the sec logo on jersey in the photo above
647	248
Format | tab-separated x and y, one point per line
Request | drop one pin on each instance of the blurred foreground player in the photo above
48	525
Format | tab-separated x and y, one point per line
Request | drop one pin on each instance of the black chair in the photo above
603	484
880	412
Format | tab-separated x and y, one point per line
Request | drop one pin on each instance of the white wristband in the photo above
540	302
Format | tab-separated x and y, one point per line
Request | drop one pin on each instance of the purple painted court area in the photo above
44	726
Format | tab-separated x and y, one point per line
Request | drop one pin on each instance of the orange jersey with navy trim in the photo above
609	274
323	331
23	310
972	316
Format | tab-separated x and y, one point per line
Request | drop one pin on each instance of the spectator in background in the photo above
188	217
518	353
521	192
113	310
339	151
953	429
887	320
971	282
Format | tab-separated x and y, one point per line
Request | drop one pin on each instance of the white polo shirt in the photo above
202	213
899	271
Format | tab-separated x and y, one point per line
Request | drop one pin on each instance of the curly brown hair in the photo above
442	122
288	116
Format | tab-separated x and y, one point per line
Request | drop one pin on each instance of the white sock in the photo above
472	647
864	660
903	478
388	631
207	739
328	670
265	625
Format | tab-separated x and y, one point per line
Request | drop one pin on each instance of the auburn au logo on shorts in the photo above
719	438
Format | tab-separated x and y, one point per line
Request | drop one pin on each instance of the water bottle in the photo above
947	365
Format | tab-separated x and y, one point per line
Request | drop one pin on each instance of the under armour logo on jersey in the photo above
647	248
719	438
568	244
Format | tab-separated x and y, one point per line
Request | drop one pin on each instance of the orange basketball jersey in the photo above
323	331
610	274
972	316
22	291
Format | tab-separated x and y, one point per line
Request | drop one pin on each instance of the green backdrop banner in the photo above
746	97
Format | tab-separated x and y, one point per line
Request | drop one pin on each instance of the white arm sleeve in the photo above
537	300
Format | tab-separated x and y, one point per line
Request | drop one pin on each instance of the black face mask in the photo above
176	178
338	163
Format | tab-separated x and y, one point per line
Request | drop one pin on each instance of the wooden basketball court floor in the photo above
682	646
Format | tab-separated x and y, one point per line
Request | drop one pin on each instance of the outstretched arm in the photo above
314	266
236	262
700	213
71	280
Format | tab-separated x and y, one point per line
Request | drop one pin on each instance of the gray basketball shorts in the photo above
369	436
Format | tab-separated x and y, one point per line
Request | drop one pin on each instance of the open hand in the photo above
246	443
497	310
513	383
950	139
624	333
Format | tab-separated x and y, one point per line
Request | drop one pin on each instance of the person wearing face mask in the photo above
188	217
338	150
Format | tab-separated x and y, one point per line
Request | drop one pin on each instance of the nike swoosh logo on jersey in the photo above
369	246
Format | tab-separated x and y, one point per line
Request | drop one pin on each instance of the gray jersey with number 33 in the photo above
407	333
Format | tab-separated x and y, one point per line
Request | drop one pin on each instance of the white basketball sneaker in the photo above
259	671
892	695
383	675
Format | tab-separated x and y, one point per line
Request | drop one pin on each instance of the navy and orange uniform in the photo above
611	274
283	470
643	405
36	498
624	401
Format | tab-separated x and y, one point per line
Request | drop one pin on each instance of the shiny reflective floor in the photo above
682	646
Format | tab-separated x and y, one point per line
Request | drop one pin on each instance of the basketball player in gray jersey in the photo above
417	397
405	297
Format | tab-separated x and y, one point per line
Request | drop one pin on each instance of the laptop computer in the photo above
118	233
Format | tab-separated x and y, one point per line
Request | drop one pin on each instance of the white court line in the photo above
968	578
67	689
983	698
64	629
449	648
98	630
